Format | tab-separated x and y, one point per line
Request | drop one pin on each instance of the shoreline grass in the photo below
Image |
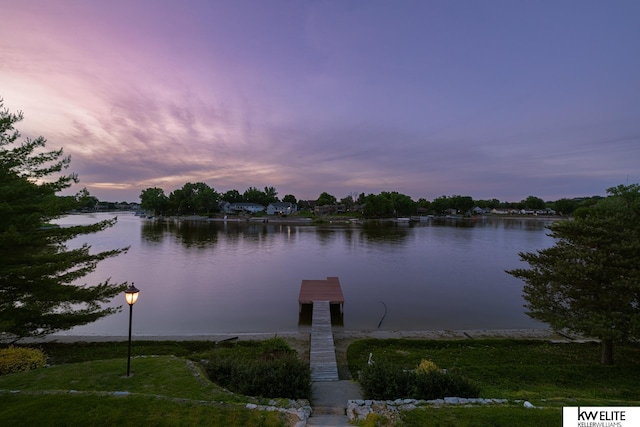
518	369
88	385
549	375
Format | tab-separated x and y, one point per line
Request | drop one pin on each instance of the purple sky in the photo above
501	99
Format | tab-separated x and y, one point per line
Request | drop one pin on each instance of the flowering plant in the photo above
426	366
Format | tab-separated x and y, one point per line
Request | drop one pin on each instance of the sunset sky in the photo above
490	99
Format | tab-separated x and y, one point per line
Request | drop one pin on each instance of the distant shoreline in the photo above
347	220
324	220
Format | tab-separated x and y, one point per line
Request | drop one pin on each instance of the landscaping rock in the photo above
357	410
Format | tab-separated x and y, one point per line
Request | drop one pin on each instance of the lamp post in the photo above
131	295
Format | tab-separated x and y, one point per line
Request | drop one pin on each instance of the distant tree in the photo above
534	203
289	198
205	198
326	199
462	204
253	195
401	204
232	196
194	198
270	195
565	206
441	204
589	281
39	274
154	200
423	204
510	205
347	202
305	204
377	206
180	201
85	200
488	204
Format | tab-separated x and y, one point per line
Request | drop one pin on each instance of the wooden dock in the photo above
321	294
321	290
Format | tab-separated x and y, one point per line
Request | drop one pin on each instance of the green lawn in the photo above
162	390
549	375
168	388
135	410
167	376
494	416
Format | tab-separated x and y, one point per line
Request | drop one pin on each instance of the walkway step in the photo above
328	421
322	354
328	410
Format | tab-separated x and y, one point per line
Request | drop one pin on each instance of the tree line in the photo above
201	199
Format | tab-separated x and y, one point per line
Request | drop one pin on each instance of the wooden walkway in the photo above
322	356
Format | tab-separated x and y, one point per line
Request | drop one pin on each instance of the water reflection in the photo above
385	231
245	277
199	233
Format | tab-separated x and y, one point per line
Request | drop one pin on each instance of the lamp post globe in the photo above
131	294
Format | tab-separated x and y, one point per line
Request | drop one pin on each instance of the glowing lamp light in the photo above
131	294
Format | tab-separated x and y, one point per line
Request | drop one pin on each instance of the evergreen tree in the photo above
589	281
39	290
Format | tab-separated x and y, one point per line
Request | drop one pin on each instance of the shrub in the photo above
275	347
380	381
390	382
18	359
438	385
426	366
272	370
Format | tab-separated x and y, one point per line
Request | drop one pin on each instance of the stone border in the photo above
300	409
358	410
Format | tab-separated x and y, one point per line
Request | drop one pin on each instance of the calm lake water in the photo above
214	277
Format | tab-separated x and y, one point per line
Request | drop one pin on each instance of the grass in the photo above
167	389
164	390
60	353
88	410
495	416
163	375
549	375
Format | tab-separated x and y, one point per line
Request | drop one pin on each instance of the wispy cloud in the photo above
484	99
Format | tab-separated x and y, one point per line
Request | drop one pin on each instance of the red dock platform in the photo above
321	290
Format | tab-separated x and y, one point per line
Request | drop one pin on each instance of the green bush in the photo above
439	384
275	346
18	359
386	382
271	370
